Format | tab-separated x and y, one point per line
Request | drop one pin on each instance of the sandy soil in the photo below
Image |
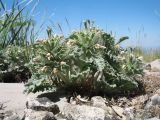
11	94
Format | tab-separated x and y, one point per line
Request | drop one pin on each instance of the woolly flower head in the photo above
98	46
36	59
70	42
140	58
117	46
44	41
49	56
63	63
55	71
44	69
122	52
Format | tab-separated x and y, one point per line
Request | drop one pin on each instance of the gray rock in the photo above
42	104
153	106
98	101
154	100
62	103
119	111
147	67
10	115
59	116
39	115
98	110
84	112
38	102
129	113
154	118
155	65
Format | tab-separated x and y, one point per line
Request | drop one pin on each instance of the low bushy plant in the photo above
88	60
16	34
12	64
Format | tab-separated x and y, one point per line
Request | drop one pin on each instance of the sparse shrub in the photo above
88	60
12	64
16	34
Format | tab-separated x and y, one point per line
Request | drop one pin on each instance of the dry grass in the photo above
149	54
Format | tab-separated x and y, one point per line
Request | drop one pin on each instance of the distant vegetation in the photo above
149	54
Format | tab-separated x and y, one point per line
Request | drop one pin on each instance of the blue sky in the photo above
138	19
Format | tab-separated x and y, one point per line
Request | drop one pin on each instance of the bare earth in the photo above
11	94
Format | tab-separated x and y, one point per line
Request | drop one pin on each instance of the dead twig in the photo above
82	100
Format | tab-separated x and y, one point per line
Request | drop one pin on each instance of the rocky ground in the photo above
60	106
12	98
